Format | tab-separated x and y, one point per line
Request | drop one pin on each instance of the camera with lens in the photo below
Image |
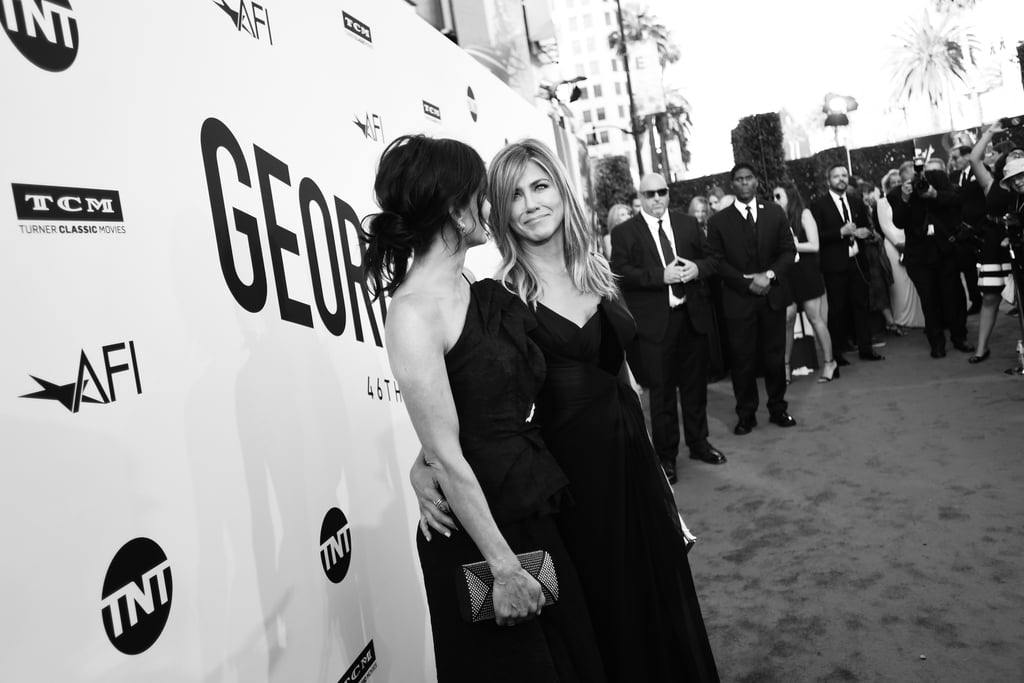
921	183
1014	228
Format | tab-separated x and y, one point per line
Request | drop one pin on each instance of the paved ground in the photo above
882	539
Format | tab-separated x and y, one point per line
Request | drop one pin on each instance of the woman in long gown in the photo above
905	303
624	532
469	375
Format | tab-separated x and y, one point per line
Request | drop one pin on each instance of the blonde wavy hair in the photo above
588	269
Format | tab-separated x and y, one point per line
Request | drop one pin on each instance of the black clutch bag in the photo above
474	584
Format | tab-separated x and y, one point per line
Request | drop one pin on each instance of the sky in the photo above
750	56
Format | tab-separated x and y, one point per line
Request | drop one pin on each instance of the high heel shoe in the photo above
824	378
979	357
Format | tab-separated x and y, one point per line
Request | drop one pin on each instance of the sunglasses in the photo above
651	194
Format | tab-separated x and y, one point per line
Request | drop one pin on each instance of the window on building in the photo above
607	18
604	136
574	24
592	138
615	64
622	111
591	45
618	88
577	47
587	116
584	93
588	20
597	91
579	69
600	114
594	70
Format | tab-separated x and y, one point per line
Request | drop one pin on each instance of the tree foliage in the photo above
613	184
757	140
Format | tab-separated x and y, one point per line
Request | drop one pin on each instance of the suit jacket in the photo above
972	197
913	217
834	252
637	262
730	251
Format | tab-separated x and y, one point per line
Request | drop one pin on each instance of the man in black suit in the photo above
972	199
929	210
842	227
751	248
660	258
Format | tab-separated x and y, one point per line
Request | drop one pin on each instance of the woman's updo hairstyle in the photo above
419	182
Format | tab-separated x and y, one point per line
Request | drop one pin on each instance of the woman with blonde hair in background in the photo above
904	301
619	213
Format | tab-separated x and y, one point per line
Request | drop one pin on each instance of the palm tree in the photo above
931	60
639	25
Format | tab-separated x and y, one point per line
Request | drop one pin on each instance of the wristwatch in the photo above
771	276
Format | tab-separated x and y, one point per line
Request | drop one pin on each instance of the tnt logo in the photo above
44	31
335	545
357	28
117	358
371	126
136	598
248	17
432	110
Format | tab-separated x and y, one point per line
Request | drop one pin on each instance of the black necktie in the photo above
669	255
846	212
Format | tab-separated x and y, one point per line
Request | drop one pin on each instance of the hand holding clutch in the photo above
475	584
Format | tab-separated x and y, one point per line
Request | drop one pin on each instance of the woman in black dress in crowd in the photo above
994	259
469	375
623	532
806	280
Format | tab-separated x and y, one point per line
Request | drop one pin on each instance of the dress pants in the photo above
942	300
759	336
847	292
678	363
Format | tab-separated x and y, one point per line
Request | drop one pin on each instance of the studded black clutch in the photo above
474	584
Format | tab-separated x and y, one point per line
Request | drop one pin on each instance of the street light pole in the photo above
629	91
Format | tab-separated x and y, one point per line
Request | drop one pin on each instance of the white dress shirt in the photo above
666	224
742	208
838	200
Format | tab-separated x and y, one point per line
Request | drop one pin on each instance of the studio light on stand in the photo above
836	108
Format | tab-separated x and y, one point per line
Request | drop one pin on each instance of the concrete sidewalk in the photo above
882	538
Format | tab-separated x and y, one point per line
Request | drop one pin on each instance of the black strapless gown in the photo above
495	371
623	531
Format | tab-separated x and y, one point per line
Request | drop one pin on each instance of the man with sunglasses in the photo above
661	258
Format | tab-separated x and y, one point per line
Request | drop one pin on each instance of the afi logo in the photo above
73	395
52	202
335	545
136	599
44	31
357	28
365	664
431	110
250	17
371	127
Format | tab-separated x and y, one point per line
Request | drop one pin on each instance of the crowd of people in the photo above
533	436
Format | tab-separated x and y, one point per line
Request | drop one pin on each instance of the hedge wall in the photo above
871	163
682	191
613	184
758	140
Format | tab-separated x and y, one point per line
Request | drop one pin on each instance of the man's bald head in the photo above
654	194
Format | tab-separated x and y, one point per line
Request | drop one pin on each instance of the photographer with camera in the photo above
1001	201
928	209
969	239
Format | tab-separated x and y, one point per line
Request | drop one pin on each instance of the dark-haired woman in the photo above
469	375
994	259
806	280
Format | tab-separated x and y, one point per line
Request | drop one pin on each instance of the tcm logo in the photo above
432	110
44	31
357	28
335	545
471	103
89	387
364	665
371	127
136	598
248	17
52	202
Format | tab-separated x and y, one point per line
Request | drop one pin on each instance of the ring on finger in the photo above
439	503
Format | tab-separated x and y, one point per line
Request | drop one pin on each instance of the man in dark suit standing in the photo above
842	226
974	210
751	247
660	257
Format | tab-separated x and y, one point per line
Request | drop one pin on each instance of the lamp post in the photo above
836	108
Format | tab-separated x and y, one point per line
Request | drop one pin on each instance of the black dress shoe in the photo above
938	352
708	454
870	355
841	362
744	426
963	346
783	420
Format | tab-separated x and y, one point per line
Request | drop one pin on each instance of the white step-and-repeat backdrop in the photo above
204	452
